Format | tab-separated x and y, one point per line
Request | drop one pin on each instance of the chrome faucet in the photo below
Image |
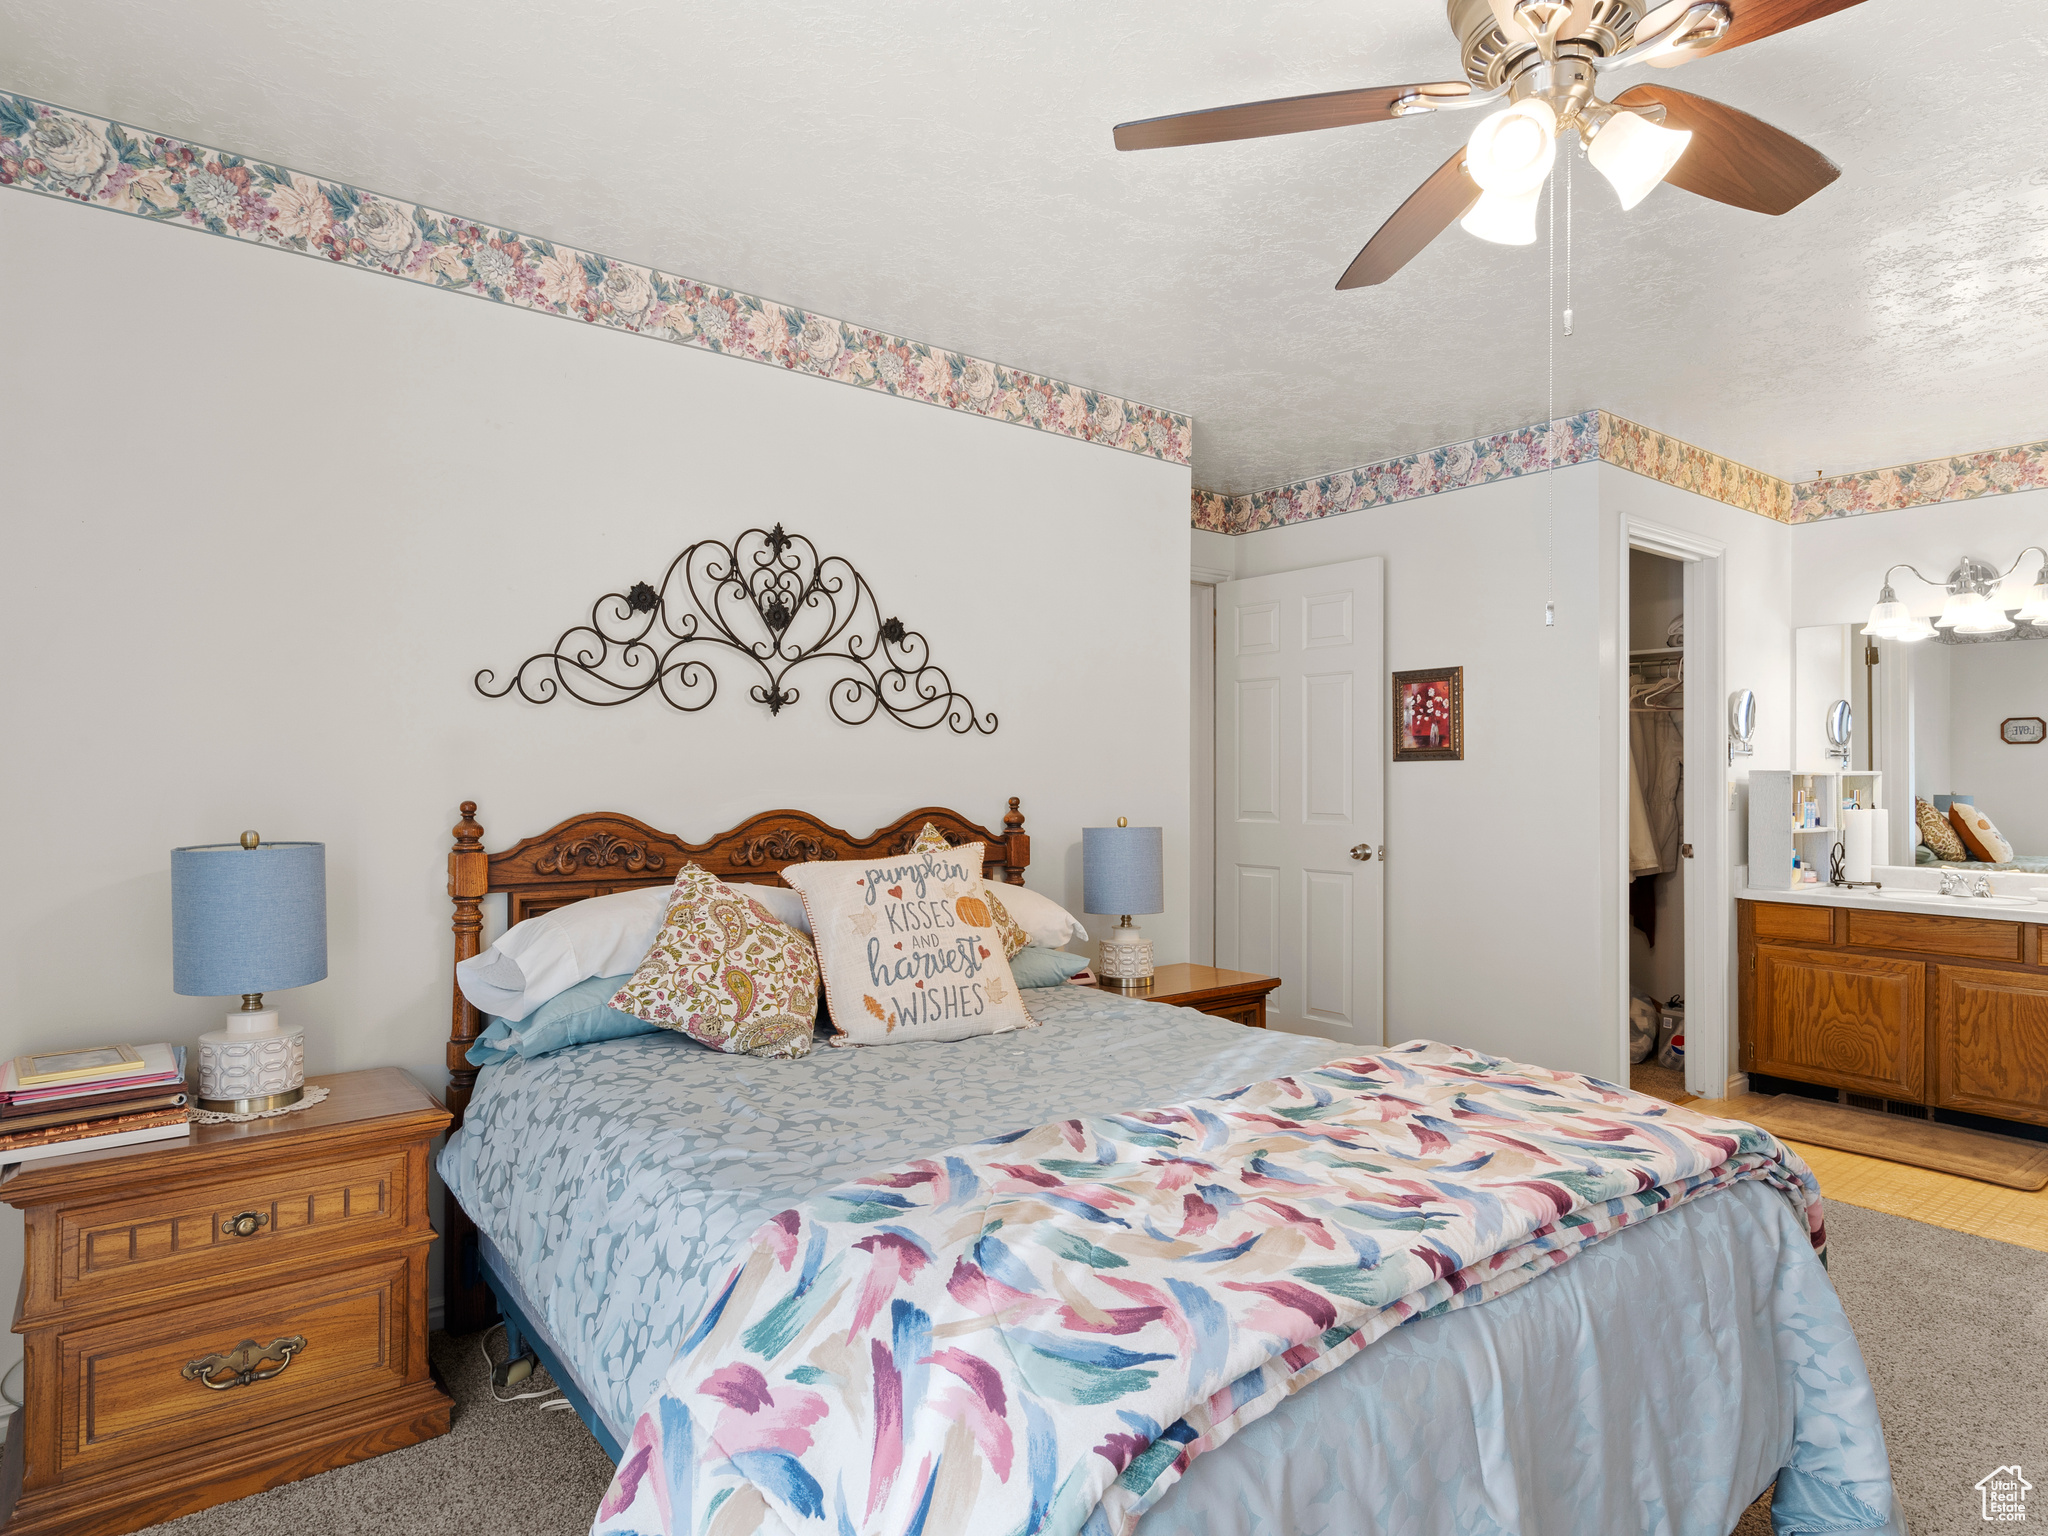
1953	884
1982	887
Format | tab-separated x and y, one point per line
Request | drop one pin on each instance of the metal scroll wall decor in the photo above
767	596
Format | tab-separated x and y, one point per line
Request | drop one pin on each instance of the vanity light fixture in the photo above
1974	604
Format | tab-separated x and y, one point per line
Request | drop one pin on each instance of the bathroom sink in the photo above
1956	901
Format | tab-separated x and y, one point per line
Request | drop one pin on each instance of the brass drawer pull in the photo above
240	1364
248	1224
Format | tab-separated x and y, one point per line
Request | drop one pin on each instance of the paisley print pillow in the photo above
726	972
1014	936
908	947
1937	834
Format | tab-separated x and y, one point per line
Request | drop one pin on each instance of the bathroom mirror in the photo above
1923	721
1741	723
1841	728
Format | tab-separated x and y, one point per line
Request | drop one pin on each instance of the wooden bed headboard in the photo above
603	851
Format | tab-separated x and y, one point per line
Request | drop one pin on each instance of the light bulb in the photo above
1635	154
1911	630
1502	219
1511	152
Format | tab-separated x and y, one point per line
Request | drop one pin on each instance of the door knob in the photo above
1362	852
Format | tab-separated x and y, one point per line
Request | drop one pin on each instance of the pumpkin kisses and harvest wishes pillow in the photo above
909	948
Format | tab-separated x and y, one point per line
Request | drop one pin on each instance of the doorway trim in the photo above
1709	976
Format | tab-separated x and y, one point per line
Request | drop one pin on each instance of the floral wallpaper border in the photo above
65	154
1500	456
1964	477
1640	450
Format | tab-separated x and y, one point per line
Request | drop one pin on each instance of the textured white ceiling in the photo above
945	172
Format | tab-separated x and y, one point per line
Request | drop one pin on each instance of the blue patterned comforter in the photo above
620	1181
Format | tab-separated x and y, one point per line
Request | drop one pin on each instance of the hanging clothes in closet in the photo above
1656	750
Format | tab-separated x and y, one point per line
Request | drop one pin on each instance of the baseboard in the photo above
437	1314
1738	1085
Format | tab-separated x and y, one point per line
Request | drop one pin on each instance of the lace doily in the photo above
307	1100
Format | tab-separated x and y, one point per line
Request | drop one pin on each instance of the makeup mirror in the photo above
1741	723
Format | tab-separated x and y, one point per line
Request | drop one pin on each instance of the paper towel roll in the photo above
1863	844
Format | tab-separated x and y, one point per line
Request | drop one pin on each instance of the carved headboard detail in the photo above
605	851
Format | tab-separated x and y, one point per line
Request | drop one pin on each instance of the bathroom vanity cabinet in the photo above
1908	1007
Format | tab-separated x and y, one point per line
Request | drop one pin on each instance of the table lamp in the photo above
1121	874
249	917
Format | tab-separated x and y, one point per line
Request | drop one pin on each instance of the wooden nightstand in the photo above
143	1261
1237	995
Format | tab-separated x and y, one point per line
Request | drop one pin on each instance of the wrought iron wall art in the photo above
768	596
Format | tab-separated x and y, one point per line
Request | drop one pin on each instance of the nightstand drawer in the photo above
126	1391
156	1240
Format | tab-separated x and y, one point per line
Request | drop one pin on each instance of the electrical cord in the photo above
8	1397
484	1348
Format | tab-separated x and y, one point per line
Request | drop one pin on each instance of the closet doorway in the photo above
1656	824
1670	810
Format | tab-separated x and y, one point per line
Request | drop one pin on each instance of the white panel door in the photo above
1301	720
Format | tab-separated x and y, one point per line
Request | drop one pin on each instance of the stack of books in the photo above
56	1102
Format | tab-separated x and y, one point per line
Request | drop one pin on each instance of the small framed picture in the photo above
2022	730
1429	715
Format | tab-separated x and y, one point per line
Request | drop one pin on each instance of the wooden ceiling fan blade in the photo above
1735	158
1753	21
1431	209
1287	114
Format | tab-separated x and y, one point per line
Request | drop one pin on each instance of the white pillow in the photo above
545	956
1049	925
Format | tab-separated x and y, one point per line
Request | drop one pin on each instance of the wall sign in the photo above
2022	730
768	597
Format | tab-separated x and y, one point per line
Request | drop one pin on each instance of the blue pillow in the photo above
578	1016
1035	967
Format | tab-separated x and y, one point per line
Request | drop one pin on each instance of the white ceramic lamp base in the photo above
253	1065
1126	963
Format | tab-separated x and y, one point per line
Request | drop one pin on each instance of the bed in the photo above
1659	1381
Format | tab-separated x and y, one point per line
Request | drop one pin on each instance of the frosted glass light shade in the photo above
2035	609
1960	609
1502	219
1635	154
1887	618
1512	151
1911	630
1987	620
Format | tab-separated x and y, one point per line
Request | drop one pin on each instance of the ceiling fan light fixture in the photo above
1512	151
1504	219
1635	154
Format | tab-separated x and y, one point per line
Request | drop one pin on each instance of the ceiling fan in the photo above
1544	58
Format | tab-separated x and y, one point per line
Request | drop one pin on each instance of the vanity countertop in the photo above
1925	901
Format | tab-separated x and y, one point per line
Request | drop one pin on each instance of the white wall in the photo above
1516	818
1987	684
266	519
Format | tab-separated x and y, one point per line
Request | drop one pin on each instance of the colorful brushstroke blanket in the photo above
1039	1332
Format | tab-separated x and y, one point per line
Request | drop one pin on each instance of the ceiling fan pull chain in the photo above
1550	414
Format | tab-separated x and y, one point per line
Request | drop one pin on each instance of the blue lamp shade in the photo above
1121	871
248	919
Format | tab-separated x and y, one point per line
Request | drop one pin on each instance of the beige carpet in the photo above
1954	1327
